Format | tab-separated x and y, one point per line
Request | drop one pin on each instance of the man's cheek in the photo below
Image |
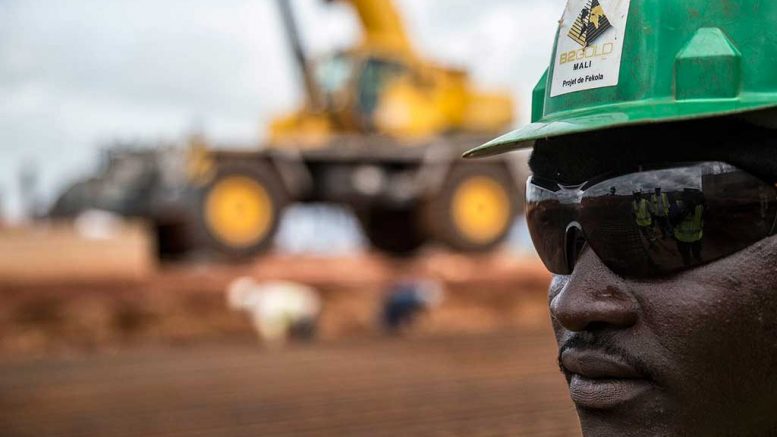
707	336
557	284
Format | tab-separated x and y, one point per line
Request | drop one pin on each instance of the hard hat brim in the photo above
613	116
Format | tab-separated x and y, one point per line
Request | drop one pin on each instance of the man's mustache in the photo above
603	343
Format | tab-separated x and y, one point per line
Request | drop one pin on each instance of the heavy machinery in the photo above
381	131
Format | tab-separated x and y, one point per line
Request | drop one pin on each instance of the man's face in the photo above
692	355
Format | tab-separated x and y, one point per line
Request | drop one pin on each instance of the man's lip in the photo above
601	381
596	365
605	394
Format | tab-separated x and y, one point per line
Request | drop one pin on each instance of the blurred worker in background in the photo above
689	229
643	216
408	299
656	340
659	204
279	310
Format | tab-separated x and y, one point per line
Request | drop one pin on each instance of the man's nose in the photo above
593	297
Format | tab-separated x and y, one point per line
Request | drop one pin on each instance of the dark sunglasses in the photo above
654	222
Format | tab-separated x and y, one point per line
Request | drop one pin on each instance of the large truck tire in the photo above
395	231
73	201
475	209
240	209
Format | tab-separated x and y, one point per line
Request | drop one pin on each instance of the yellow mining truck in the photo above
381	131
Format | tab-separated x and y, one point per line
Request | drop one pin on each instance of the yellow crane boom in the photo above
382	85
382	25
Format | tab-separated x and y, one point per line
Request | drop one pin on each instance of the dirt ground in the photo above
164	356
495	384
181	304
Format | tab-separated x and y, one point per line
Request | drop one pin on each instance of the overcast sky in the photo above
77	74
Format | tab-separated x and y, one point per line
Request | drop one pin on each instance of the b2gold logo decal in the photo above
589	46
590	24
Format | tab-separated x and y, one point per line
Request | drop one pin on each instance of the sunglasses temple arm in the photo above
774	227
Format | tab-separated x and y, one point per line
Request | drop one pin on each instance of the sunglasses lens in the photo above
659	222
549	215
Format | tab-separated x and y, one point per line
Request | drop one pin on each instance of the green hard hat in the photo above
628	62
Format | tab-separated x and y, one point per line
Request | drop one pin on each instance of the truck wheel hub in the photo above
481	210
238	211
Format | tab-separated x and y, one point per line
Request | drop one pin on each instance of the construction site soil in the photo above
183	303
165	357
496	384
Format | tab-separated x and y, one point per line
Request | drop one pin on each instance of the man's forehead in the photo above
575	159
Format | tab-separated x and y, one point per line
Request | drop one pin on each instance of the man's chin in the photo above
621	408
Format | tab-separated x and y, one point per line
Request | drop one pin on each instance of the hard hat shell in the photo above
680	60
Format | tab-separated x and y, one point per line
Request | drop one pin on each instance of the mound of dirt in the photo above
186	303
